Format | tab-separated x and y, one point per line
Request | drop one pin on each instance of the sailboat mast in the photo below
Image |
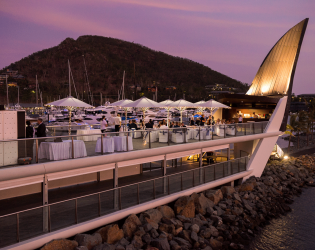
69	78
36	92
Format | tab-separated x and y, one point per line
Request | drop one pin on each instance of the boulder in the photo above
150	223
214	195
130	225
88	240
246	186
104	246
137	242
167	212
195	228
203	204
79	248
153	214
227	191
183	243
111	234
62	244
215	244
161	243
185	206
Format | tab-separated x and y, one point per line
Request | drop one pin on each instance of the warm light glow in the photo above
264	88
286	157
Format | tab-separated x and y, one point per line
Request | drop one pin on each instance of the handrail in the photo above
113	189
130	131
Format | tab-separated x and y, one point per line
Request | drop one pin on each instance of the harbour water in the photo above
292	231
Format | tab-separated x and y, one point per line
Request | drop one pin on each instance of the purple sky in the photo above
229	36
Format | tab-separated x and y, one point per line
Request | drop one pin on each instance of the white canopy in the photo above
200	102
181	104
121	102
143	102
69	102
166	102
212	104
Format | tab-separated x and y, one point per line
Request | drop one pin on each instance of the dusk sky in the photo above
229	36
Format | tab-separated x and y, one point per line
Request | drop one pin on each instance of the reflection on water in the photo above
293	231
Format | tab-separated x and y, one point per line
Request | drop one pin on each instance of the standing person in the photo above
41	129
202	120
117	121
30	131
103	124
240	119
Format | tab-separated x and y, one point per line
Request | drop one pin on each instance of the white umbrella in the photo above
167	107
181	105
69	102
144	104
201	109
212	104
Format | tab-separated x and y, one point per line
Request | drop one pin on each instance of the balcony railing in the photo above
92	142
27	224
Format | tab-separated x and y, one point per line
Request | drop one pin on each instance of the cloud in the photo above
46	16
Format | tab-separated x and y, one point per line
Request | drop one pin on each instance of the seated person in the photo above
149	124
198	122
218	121
133	125
192	121
183	125
171	124
176	125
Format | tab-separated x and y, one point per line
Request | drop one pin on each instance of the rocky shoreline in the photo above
225	218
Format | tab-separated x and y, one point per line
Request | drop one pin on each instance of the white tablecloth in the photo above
88	132
153	135
61	150
120	143
163	136
108	145
230	129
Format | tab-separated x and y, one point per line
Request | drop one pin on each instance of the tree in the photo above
289	130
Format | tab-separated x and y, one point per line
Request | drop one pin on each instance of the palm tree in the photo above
289	131
293	126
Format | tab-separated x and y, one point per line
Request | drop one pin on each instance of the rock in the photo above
124	242
247	186
154	233
88	241
174	245
185	235
214	195
195	228
161	243
152	223
215	244
111	234
202	204
104	246
78	248
154	215
62	244
120	247
182	242
185	206
137	242
227	191
130	225
194	236
163	228
167	212
207	248
146	238
130	247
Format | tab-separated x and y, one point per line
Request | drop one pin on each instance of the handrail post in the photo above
199	133
49	220
181	181
168	137
185	131
154	188
36	141
76	211
224	130
238	163
99	204
17	227
72	145
235	129
168	184
245	127
138	193
262	130
193	178
127	142
204	175
214	171
149	138
102	146
119	198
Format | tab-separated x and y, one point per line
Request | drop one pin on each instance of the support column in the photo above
98	176
45	202
164	166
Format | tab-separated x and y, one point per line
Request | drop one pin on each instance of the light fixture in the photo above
286	157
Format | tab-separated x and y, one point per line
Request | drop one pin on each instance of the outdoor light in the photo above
286	157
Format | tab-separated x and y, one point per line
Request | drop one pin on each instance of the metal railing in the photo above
26	224
98	143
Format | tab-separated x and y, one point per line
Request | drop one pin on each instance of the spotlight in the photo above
286	157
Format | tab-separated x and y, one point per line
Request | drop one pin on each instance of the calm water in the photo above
296	230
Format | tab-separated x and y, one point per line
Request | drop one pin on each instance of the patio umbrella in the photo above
144	104
181	105
70	103
167	107
212	104
121	103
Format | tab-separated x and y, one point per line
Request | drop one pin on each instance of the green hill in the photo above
106	59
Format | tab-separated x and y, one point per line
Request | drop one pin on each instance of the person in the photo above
103	124
232	121
254	115
218	121
133	125
160	124
41	129
198	122
29	130
129	123
149	124
183	125
240	119
202	120
176	125
192	121
171	124
117	122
